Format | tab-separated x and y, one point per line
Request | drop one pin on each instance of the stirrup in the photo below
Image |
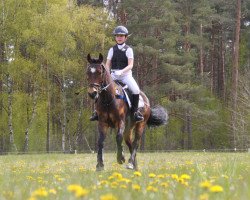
94	116
138	116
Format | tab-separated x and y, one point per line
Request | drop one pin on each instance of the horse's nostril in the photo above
92	95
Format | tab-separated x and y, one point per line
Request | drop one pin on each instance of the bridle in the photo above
100	87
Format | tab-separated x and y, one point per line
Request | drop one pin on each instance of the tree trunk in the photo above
10	116
189	129
235	72
187	44
221	70
30	120
48	111
212	52
64	115
215	57
2	59
79	125
201	54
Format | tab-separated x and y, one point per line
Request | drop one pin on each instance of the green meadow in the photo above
187	175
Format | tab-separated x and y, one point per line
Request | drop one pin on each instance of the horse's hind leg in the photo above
132	163
102	135
128	140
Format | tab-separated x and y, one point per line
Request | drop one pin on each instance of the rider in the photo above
120	61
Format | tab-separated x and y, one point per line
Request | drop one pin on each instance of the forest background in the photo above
191	57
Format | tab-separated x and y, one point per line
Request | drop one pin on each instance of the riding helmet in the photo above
120	30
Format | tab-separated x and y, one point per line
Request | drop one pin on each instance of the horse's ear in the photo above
100	57
89	58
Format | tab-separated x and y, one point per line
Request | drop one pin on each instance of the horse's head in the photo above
95	75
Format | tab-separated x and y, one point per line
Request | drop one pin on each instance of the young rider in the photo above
120	61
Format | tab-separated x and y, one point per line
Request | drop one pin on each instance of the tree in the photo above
235	69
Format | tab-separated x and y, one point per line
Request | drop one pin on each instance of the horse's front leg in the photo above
102	129
119	139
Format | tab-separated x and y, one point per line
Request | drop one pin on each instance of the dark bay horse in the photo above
114	112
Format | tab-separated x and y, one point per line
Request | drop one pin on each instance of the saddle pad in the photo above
140	103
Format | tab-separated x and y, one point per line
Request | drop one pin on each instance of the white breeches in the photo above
128	80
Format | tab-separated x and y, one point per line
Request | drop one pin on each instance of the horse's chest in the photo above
110	118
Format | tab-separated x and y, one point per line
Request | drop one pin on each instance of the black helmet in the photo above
120	30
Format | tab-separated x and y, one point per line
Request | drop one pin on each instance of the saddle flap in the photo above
127	95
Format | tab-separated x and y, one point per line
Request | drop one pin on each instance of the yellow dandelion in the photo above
204	196
111	177
73	187
137	173
125	180
180	180
205	184
117	175
82	169
216	188
152	175
185	176
30	178
189	162
52	191
123	186
104	182
164	184
174	176
41	192
160	176
78	190
81	192
151	188
108	197
136	187
185	183
59	179
114	184
154	182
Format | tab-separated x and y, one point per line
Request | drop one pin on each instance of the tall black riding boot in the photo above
137	115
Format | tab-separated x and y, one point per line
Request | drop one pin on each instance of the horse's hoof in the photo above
98	169
130	166
121	160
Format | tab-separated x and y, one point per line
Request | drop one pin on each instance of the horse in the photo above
114	113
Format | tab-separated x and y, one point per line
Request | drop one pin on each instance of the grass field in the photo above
160	176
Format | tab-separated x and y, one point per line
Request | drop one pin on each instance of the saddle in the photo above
126	95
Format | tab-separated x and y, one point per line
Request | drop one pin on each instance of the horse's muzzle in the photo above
92	91
93	95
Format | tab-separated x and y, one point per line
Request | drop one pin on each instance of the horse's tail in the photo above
158	116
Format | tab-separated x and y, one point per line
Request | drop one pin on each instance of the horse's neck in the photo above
109	92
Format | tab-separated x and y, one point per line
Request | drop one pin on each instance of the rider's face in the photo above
120	39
